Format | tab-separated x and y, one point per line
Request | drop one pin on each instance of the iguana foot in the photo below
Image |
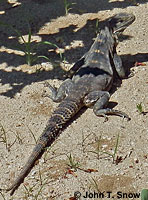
52	88
109	111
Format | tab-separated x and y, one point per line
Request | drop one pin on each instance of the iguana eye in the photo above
121	20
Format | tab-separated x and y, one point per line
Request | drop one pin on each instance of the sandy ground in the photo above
24	111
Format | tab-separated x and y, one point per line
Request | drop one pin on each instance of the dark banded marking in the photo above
59	119
71	105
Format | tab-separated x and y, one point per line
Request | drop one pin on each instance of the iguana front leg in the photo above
99	101
77	66
118	65
57	95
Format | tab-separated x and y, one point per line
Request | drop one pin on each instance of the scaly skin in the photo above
89	86
65	111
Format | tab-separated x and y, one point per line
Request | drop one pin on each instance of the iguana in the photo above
89	86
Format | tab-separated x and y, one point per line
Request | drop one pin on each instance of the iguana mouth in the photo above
120	22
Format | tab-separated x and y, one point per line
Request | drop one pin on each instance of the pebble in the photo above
33	173
18	94
41	102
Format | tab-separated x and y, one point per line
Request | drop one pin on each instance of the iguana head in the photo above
119	22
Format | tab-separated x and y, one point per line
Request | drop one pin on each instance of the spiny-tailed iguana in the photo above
89	86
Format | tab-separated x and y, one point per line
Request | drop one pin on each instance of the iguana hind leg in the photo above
57	95
99	101
94	96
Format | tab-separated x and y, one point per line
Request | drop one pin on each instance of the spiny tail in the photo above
64	112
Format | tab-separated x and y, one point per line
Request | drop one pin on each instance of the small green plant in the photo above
29	47
29	191
67	6
18	138
72	164
100	152
98	149
140	108
83	142
4	139
97	27
2	195
3	136
116	147
144	194
94	185
33	135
